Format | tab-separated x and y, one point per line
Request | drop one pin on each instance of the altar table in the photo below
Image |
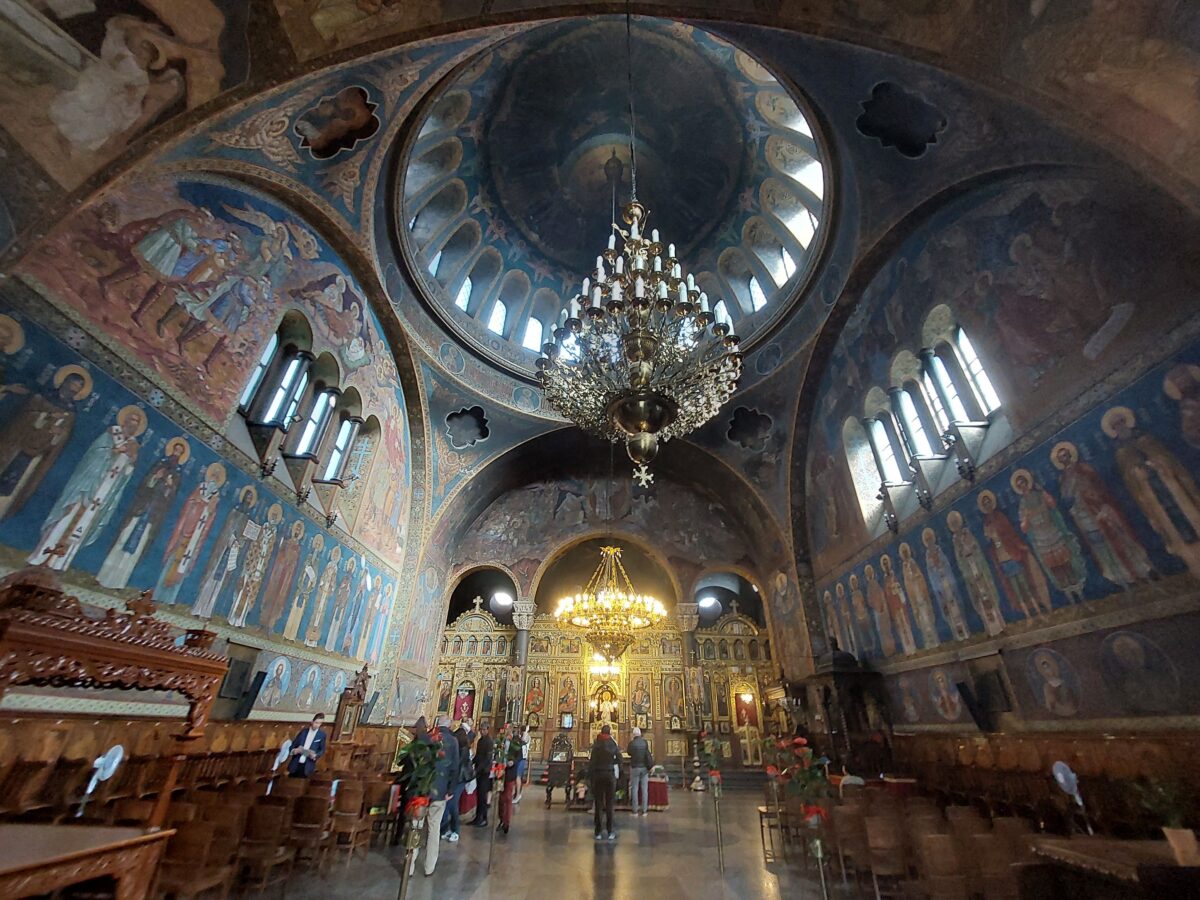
658	797
38	859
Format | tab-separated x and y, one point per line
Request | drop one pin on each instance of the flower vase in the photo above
1183	845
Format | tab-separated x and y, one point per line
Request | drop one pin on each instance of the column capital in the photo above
523	613
687	616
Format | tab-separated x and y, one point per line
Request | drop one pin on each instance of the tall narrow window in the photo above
496	319
318	419
721	314
287	393
533	335
757	298
935	402
944	383
341	449
464	294
434	263
290	416
885	453
914	428
989	402
789	264
260	370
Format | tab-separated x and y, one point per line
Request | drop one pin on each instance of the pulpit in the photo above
350	706
845	706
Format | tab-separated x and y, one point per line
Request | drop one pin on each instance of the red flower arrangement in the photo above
791	763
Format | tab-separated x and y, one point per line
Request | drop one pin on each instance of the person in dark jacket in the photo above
605	761
466	771
483	773
512	772
640	764
307	747
442	790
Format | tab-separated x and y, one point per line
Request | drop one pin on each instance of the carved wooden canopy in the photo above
49	638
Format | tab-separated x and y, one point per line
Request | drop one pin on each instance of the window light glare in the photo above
502	598
464	294
708	601
757	298
496	319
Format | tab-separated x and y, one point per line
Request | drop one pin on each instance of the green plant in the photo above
418	761
796	769
1169	802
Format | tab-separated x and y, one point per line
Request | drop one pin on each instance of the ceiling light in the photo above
708	602
502	598
608	610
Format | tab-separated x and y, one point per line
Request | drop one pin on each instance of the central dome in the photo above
555	177
507	194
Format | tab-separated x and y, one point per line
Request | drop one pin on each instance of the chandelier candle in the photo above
641	358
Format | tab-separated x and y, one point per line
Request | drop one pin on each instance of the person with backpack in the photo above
641	761
604	765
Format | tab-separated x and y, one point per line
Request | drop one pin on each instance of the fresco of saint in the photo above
867	644
341	602
192	526
881	610
981	587
304	588
917	589
227	552
1022	578
254	567
92	493
279	581
535	696
898	605
1053	682
1053	541
1110	538
325	590
568	698
152	501
1162	487
944	586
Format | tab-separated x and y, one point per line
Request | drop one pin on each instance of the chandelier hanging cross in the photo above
609	611
638	355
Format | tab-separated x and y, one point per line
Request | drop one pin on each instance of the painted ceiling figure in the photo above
152	501
92	493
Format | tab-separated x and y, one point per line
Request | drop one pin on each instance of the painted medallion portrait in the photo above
1053	682
1141	677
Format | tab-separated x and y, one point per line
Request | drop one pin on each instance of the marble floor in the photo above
550	854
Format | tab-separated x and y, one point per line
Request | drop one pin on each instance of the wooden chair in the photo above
317	787
230	825
995	858
383	824
132	812
289	787
187	869
962	812
351	827
310	834
262	858
1016	832
886	855
181	812
850	837
769	821
942	876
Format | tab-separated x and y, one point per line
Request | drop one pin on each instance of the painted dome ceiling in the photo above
506	197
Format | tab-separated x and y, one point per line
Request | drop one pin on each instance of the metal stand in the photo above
412	840
716	791
492	843
819	852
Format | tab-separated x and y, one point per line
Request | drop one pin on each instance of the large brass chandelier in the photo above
609	611
638	355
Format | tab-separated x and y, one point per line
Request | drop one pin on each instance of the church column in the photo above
523	613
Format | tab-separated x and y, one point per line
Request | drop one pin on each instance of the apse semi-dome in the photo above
506	191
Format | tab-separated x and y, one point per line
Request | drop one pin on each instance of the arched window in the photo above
260	371
318	420
757	298
533	335
339	453
911	424
789	264
989	402
944	387
434	263
464	294
496	319
934	401
886	458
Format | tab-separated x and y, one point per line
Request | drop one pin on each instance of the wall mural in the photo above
97	484
523	527
80	81
1106	508
299	686
1045	276
191	276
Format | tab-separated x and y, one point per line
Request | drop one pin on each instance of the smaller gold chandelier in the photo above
609	611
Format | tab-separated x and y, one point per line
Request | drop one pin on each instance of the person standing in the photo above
605	760
640	764
307	748
442	790
522	766
483	773
512	759
464	773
